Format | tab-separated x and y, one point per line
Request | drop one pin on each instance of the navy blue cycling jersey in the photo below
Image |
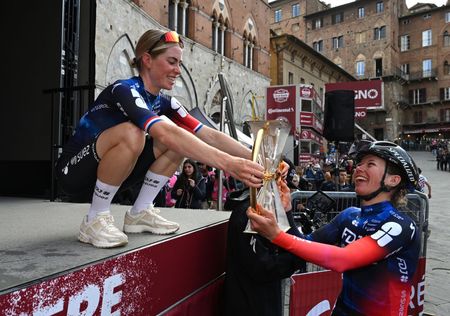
127	100
383	287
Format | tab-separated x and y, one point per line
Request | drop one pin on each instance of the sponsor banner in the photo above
360	113
307	92
368	93
308	119
315	293
281	104
307	134
143	282
416	304
305	158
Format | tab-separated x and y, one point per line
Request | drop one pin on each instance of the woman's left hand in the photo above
285	194
282	170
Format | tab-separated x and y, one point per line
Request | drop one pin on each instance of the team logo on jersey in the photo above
403	269
384	235
138	100
348	236
176	105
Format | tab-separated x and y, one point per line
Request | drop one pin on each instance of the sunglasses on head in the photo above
168	37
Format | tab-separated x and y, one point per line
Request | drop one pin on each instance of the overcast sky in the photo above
409	3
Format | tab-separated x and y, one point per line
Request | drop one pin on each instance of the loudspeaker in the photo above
339	120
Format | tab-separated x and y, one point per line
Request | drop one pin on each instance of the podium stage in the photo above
45	270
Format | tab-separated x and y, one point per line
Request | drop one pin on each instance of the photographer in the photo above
190	188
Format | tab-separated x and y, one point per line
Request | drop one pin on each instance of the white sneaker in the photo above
149	221
101	232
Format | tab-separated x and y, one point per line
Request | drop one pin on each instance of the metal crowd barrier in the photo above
417	208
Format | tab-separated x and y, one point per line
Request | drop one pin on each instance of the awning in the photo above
202	117
427	130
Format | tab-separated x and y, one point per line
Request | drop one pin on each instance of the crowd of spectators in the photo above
324	176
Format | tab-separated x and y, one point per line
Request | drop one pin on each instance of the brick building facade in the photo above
364	37
424	61
229	37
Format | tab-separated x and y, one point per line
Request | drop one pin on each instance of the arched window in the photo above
446	68
218	31
178	16
249	44
360	66
446	39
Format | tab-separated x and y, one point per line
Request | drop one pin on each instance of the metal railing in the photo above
416	208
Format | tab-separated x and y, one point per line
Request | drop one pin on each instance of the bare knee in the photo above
133	138
126	137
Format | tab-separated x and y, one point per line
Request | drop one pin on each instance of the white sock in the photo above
153	183
101	199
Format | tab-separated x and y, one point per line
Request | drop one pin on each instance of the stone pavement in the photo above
437	279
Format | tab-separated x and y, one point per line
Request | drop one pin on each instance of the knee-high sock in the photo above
101	198
153	183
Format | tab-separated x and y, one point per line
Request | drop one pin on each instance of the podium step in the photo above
45	270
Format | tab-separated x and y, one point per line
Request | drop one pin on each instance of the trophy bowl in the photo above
269	138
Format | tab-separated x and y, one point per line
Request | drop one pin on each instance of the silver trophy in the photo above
269	138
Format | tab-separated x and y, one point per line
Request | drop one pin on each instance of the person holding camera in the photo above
190	188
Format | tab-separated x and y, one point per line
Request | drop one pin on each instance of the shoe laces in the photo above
152	209
107	222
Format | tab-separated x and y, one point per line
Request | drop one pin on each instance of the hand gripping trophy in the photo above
269	139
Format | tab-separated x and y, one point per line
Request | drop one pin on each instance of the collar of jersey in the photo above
149	96
377	208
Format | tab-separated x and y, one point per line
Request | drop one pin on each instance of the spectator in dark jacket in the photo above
190	188
255	267
207	174
328	184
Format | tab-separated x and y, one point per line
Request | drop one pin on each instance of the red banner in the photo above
307	134
281	104
308	119
143	282
368	93
315	293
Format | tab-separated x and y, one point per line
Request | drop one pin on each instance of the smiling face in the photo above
367	177
162	70
368	174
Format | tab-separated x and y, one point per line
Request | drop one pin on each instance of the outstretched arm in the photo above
224	142
358	254
186	144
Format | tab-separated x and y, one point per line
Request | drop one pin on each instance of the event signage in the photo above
281	104
368	94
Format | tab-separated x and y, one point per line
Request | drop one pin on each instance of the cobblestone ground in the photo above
437	279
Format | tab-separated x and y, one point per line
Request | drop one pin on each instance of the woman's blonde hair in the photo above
398	197
149	40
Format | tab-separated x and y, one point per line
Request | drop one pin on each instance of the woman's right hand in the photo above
249	172
265	224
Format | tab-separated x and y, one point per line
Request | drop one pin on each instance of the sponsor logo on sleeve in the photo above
176	105
384	235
